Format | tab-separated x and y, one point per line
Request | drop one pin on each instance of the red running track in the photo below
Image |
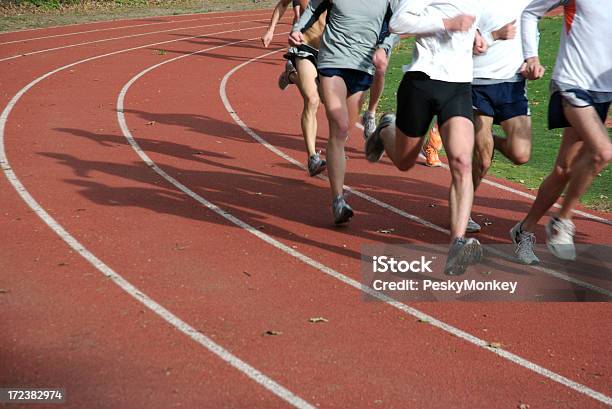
205	289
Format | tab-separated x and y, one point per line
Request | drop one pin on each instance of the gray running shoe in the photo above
525	242
285	78
374	147
369	124
472	226
560	238
342	211
462	253
316	165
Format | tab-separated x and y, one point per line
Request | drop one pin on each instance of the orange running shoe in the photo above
431	148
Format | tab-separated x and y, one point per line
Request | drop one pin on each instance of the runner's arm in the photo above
277	14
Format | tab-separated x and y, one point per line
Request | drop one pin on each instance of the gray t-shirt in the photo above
354	30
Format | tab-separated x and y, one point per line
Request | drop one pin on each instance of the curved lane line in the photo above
313	263
125	285
25	40
391	208
63	47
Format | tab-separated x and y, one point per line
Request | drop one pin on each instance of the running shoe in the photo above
316	165
431	156
369	124
560	238
472	226
341	210
432	147
461	254
285	78
525	242
374	147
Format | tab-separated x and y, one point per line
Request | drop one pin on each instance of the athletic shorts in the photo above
302	51
419	99
355	80
501	101
575	97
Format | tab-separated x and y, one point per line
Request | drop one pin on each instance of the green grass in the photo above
545	143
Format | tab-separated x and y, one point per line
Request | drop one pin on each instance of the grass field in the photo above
24	14
546	143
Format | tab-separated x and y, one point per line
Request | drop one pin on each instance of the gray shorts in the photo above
302	51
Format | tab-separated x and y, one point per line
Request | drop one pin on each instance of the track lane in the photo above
160	117
100	167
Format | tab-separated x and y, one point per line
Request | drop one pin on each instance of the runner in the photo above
353	44
499	93
581	92
437	83
301	69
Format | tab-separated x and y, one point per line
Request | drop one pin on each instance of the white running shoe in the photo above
560	238
524	241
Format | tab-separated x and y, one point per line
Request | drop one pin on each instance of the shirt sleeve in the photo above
411	17
386	40
529	24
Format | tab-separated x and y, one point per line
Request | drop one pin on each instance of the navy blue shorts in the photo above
355	80
576	97
501	101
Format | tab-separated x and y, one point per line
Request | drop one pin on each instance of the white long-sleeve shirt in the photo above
503	58
442	55
584	59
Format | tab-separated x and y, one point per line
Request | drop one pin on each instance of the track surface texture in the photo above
162	247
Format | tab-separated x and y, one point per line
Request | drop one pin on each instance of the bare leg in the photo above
339	108
551	188
483	152
378	86
458	138
517	144
402	149
597	154
307	74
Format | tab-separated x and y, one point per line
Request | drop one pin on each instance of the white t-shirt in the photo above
441	55
503	58
585	53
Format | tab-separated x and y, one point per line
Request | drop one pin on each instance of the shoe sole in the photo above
469	255
553	250
319	170
345	216
385	122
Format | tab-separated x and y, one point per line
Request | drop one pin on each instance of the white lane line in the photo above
110	21
391	208
119	38
125	285
24	40
317	265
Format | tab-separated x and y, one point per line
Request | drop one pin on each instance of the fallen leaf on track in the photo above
386	231
272	333
314	320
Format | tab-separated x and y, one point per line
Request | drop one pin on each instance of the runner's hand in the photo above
532	69
480	45
462	22
266	39
296	38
